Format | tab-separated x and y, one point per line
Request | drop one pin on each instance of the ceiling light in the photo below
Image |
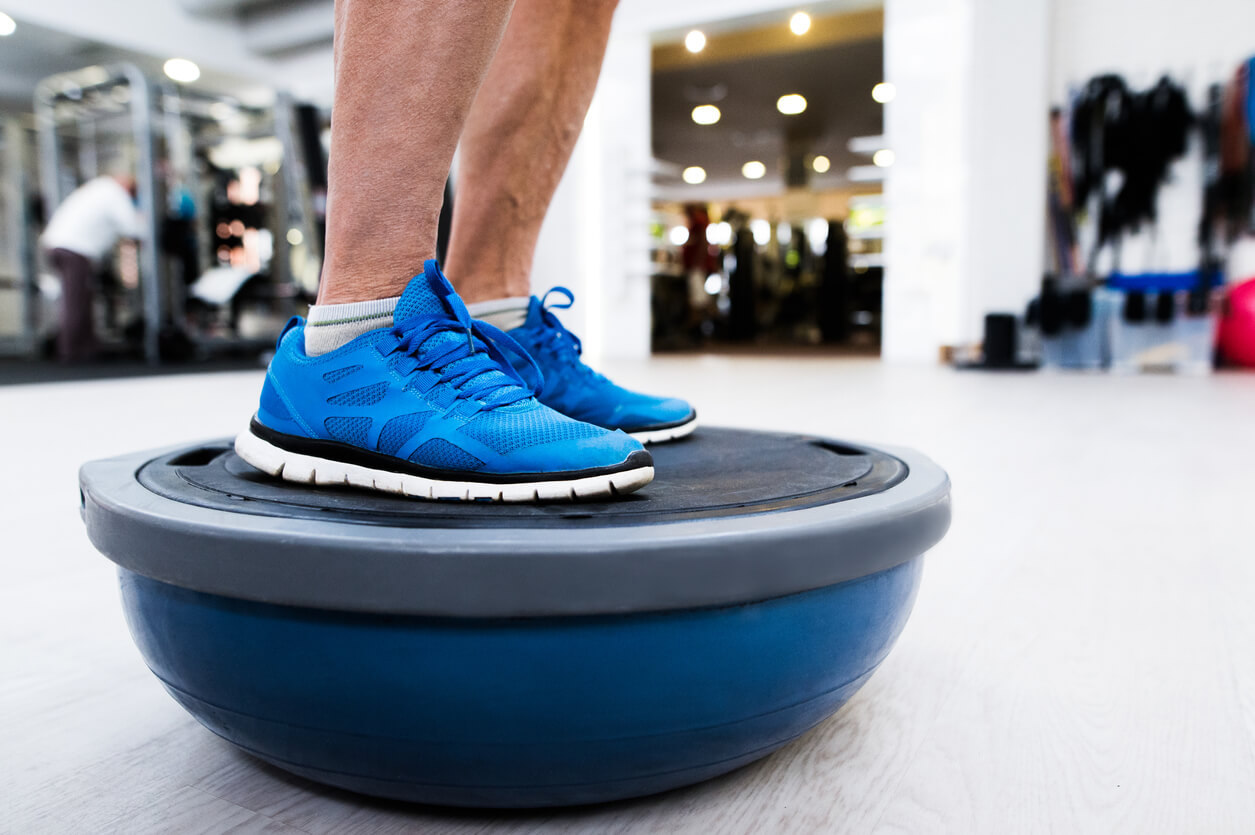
791	104
883	158
182	70
884	92
706	114
7	25
695	41
821	164
678	236
800	23
694	174
753	170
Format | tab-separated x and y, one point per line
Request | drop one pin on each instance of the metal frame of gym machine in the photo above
19	269
73	85
147	103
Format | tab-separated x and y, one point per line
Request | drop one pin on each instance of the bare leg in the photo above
406	74
518	139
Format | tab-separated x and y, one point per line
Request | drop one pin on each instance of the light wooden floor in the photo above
1081	659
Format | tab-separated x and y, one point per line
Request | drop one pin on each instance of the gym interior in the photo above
964	295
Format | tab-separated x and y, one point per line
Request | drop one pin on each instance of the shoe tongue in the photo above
535	314
431	294
427	294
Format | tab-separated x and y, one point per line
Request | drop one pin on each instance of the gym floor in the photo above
1081	657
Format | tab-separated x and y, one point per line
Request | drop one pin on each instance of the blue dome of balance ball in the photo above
521	655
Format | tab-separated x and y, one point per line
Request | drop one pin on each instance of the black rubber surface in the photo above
714	473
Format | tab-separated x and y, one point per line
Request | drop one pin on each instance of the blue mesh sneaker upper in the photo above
575	390
437	389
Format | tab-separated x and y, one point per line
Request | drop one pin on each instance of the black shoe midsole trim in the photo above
343	453
660	426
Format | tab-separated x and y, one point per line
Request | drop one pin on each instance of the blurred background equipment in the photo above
1110	299
764	178
231	243
777	243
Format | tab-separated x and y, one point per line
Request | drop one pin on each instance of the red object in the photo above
697	253
1236	338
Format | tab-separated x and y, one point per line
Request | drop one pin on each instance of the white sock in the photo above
329	326
506	314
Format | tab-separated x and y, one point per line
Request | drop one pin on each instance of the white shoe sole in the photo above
658	436
307	469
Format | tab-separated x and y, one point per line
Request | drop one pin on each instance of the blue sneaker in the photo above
577	391
430	407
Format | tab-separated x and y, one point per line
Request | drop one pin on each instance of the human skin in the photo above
518	139
406	74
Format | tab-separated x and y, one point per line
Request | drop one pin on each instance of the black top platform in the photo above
732	516
718	472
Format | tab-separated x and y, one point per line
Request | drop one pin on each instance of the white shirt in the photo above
93	218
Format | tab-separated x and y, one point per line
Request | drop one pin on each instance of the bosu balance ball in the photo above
521	655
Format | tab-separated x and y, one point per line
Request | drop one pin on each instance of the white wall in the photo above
926	44
966	195
1202	39
1006	132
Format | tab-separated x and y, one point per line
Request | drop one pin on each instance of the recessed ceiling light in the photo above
695	41
791	104
821	164
182	70
706	114
753	170
884	92
7	25
883	158
800	23
694	174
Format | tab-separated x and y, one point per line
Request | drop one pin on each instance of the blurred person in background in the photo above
82	232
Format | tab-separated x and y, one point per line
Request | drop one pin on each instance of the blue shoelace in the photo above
482	351
558	343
